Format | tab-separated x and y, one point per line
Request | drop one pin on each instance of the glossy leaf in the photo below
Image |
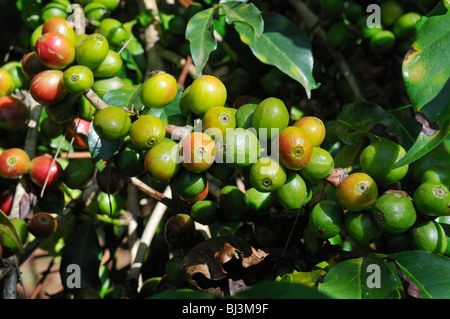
82	250
430	272
357	279
283	45
426	66
8	228
425	144
128	97
247	13
360	118
200	33
133	55
308	278
132	63
426	74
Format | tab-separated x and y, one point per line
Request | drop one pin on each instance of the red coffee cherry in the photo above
13	113
42	225
47	87
40	167
55	50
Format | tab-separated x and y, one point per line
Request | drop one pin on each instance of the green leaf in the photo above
430	272
82	250
356	279
8	228
426	67
280	290
128	97
249	14
425	144
307	278
283	45
130	63
426	75
200	33
362	118
133	55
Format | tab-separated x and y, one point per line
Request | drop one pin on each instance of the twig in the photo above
134	212
95	100
29	147
151	192
158	212
78	19
185	3
40	283
151	35
184	72
175	59
76	155
240	184
178	132
10	285
74	206
125	45
51	165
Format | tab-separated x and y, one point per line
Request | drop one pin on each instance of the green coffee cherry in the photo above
293	193
404	27
390	12
361	227
429	236
432	198
394	213
382	42
267	175
378	159
320	166
326	219
233	202
112	123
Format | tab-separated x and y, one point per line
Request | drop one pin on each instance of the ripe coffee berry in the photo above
43	169
55	50
13	113
42	225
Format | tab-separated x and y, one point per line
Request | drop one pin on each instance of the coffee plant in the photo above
225	149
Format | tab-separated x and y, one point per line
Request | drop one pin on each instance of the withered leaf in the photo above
27	204
428	128
214	263
412	289
337	176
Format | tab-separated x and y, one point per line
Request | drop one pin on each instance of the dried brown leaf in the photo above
214	262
